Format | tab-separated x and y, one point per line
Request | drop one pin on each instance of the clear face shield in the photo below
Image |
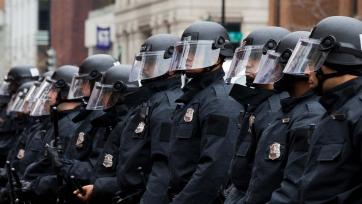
245	64
4	88
148	65
190	55
45	97
307	57
16	99
80	87
103	97
29	99
270	70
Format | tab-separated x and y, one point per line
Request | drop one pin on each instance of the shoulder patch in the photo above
217	125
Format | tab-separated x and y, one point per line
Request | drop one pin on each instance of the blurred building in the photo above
67	30
136	20
304	14
100	35
3	60
24	27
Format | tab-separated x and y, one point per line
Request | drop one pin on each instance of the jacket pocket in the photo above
184	130
330	152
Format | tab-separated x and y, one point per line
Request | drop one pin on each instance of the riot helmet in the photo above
246	59
113	86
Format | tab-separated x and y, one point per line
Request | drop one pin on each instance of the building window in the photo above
43	17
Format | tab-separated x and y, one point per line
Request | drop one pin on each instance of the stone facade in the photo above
136	20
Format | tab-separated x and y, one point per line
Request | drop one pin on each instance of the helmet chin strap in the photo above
322	77
205	69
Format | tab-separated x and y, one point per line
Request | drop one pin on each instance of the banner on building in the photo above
104	38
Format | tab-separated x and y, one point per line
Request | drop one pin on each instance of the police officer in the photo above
142	163
281	149
333	169
39	125
205	122
80	144
17	76
54	91
116	96
261	101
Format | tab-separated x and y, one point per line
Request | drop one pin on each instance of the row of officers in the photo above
283	125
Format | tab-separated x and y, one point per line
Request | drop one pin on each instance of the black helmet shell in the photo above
65	73
93	66
206	30
347	33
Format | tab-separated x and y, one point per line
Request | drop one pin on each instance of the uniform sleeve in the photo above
104	188
81	170
157	184
160	131
219	131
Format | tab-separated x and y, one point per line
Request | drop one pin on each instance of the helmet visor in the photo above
270	70
245	62
194	55
41	107
79	87
148	65
15	100
102	97
28	100
306	58
44	99
4	88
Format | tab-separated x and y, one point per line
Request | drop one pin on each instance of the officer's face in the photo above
86	91
149	69
313	81
52	96
251	69
190	60
106	97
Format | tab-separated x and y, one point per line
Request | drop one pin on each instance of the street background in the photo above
49	33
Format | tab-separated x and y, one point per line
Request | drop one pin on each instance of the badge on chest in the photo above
80	140
189	115
140	127
274	151
108	160
21	154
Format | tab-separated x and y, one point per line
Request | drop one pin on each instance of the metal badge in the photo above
274	151
285	120
189	115
251	122
20	154
80	140
108	160
140	127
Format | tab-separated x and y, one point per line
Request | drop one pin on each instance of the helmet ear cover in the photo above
95	75
119	86
62	89
60	84
270	45
219	42
330	43
169	52
284	57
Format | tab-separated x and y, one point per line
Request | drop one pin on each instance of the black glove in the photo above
3	177
54	157
4	195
